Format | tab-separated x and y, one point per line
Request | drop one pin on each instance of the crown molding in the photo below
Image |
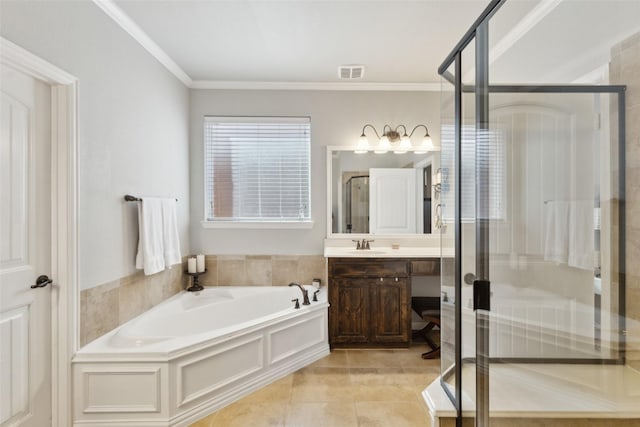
326	86
11	53
128	25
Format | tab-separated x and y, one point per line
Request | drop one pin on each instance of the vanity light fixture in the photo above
363	142
426	144
393	139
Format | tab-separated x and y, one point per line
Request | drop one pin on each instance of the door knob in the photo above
469	278
42	281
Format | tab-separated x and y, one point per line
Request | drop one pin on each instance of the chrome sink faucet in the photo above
363	245
305	293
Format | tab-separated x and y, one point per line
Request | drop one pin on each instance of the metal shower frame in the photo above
479	32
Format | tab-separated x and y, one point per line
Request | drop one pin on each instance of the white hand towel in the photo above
150	255
171	238
581	239
159	241
556	231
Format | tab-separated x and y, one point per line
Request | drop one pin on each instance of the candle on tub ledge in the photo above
191	265
200	263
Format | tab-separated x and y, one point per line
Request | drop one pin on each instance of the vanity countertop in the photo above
382	252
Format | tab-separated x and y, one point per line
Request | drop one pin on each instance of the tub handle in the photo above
297	302
315	295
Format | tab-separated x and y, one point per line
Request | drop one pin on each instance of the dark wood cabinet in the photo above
350	324
369	302
425	267
390	310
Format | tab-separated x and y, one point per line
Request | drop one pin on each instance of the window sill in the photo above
264	225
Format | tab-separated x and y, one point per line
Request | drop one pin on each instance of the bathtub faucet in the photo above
305	293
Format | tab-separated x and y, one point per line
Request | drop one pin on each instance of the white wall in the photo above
132	128
337	118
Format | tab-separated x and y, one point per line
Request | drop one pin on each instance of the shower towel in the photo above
158	243
556	231
581	231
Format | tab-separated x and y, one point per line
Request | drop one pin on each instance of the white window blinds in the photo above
495	194
257	169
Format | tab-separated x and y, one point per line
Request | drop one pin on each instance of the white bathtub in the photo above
196	353
532	323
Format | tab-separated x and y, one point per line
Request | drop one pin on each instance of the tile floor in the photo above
348	388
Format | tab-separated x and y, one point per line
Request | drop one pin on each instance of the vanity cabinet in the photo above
369	302
349	321
390	310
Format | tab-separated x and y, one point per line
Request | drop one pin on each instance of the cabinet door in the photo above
390	310
392	201
349	311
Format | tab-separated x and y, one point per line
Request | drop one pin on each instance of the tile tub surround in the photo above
348	388
108	306
625	69
263	270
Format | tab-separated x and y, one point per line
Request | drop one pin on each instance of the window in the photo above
496	191
257	170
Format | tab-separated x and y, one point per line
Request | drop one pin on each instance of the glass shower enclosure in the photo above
533	242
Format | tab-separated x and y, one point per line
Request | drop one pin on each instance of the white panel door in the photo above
392	201
25	250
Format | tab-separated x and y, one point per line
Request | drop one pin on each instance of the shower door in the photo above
532	203
555	236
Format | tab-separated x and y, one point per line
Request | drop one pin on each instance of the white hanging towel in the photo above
556	231
171	238
158	243
581	239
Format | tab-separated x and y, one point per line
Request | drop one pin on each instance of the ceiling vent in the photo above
350	72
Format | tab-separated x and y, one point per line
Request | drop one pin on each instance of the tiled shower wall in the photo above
625	69
108	306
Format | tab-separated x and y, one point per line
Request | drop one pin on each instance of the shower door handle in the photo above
481	295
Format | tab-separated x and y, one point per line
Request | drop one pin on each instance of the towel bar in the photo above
129	198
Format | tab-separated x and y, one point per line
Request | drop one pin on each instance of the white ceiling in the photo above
573	39
398	42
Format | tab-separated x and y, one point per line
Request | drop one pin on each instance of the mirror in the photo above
381	194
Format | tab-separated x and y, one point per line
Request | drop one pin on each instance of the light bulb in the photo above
383	145
363	145
404	146
425	146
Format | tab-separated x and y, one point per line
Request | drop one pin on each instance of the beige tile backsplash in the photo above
263	270
108	306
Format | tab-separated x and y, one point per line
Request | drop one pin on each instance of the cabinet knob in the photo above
396	279
382	279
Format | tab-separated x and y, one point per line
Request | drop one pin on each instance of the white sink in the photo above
366	252
382	252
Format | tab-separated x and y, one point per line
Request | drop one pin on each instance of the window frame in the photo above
264	223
